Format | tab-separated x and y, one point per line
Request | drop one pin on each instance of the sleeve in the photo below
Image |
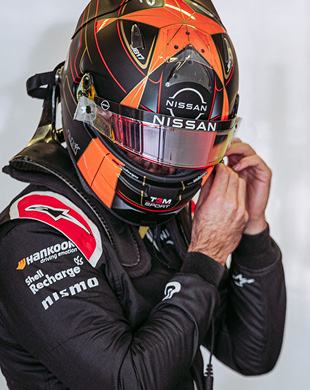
63	312
250	320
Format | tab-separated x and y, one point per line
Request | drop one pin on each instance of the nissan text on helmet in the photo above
157	79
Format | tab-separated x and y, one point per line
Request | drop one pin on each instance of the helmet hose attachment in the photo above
45	86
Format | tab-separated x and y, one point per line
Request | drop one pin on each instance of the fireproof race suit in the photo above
87	303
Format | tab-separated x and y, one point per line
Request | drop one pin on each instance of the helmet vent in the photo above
137	41
189	68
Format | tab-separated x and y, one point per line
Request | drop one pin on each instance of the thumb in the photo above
205	190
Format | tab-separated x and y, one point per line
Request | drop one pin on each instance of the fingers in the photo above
242	156
225	177
231	202
242	200
222	176
221	216
237	151
216	185
239	147
254	161
223	188
205	190
234	196
236	139
253	169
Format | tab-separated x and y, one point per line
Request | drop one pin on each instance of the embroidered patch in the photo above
59	212
240	280
171	289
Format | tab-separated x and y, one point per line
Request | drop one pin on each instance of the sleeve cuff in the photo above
204	266
256	251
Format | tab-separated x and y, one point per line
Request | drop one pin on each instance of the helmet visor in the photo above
178	142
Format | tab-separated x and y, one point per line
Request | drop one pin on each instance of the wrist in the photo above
204	266
256	251
218	257
255	226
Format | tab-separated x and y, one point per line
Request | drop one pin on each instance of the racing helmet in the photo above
153	79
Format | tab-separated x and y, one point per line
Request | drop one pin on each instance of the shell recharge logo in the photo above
187	101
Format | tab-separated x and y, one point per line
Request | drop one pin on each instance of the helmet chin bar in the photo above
151	166
137	196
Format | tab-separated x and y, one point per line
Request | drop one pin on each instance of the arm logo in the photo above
171	289
240	281
57	214
63	215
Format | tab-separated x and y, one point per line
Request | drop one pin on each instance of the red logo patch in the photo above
59	212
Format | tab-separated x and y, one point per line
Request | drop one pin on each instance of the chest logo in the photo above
240	280
171	289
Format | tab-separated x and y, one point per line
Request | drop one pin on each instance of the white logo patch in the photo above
56	214
239	280
171	289
180	100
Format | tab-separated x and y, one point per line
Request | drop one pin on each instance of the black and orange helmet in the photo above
153	78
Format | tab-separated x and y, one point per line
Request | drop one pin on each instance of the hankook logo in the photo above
187	99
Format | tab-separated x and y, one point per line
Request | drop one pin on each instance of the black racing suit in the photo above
116	311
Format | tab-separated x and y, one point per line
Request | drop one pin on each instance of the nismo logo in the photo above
76	288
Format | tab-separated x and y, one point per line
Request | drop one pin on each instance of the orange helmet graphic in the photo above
157	79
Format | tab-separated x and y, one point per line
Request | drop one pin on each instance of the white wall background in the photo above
272	42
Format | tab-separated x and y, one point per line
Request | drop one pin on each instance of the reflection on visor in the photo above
177	142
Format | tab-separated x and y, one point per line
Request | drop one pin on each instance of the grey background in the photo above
272	42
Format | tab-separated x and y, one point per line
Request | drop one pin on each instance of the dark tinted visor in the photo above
178	142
